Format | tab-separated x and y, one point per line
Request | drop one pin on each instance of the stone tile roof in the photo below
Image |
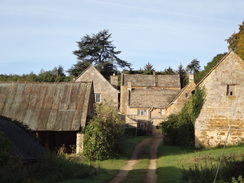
152	97
46	106
167	81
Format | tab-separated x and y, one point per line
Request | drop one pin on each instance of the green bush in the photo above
179	128
103	133
11	167
205	172
48	168
53	168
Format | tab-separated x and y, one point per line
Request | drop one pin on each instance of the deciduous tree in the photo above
103	133
236	41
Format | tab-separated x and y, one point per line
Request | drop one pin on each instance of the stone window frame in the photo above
163	112
98	98
141	112
231	90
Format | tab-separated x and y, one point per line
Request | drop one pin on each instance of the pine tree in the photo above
98	50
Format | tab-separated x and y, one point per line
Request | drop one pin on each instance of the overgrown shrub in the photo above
52	168
49	168
231	171
103	133
11	167
179	128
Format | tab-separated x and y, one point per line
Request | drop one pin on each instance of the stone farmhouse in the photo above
56	112
147	100
103	90
221	118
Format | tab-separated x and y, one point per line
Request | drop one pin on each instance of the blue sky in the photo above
42	34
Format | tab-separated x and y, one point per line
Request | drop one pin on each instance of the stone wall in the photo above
180	101
222	112
101	86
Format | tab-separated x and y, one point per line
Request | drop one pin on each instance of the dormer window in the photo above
230	90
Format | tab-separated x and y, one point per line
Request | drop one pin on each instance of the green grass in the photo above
172	159
108	169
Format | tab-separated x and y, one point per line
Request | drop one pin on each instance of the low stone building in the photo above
103	90
147	100
222	117
180	100
56	112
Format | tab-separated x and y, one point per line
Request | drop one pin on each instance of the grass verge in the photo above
173	159
108	169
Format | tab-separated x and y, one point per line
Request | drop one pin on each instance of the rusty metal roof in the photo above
46	106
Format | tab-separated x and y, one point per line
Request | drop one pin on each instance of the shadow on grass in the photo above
169	174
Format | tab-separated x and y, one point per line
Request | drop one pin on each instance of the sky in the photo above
39	35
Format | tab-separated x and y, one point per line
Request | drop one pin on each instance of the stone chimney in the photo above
191	78
114	81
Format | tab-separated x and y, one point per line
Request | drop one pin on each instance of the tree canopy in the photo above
148	67
236	41
183	76
98	50
194	67
55	75
200	75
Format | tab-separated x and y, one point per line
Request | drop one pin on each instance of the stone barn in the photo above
222	116
56	112
103	90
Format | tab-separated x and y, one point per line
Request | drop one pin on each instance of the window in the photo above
230	90
141	112
163	112
97	97
187	95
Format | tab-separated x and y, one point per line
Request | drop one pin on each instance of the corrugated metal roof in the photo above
152	97
46	106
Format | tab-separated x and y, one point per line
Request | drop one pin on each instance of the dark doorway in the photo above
53	140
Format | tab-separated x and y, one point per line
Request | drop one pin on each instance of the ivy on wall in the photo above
179	128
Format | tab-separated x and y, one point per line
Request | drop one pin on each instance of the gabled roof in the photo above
97	74
152	97
231	53
46	106
181	92
140	80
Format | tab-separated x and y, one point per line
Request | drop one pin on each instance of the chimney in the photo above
129	85
191	78
114	81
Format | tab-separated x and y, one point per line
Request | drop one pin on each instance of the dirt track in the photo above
151	176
